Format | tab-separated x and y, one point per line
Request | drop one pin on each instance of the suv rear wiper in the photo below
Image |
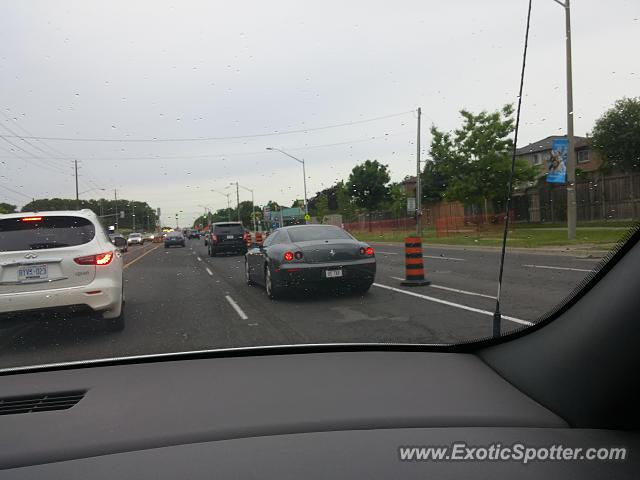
38	246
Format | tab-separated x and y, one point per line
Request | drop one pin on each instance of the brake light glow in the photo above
98	259
288	256
369	251
31	219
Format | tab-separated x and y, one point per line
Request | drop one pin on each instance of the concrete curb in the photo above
568	251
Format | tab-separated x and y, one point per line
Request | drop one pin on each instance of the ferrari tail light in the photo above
98	259
288	256
368	251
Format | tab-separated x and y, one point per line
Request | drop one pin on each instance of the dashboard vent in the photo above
39	403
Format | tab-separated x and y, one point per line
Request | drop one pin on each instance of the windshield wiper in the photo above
38	246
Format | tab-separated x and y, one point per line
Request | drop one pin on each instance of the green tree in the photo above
475	159
397	200
434	181
344	203
616	135
321	207
368	184
7	208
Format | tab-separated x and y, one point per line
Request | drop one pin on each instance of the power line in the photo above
204	139
240	154
15	191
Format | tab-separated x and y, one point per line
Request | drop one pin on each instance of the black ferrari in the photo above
310	255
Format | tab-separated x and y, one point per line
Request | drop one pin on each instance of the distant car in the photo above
148	237
173	239
194	234
227	237
135	239
60	263
310	255
113	236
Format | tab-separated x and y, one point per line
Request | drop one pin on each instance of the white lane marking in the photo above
236	307
456	290
438	257
557	268
387	253
199	259
451	304
209	271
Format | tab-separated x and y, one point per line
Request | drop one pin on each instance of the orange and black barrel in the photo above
259	239
414	263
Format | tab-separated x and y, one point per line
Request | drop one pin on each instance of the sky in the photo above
171	74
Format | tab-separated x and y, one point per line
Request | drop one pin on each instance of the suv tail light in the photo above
98	259
214	238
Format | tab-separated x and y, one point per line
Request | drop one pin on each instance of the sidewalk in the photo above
581	251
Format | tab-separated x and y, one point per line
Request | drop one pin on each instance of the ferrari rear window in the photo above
305	234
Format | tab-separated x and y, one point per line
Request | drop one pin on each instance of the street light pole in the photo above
75	163
418	182
572	213
238	200
115	194
304	175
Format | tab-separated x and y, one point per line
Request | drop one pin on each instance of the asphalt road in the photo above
180	299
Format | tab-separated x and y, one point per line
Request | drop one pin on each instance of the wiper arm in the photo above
38	246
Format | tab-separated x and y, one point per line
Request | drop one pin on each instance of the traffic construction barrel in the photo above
414	263
259	239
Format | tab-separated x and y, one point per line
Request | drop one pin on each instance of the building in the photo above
600	195
409	185
538	154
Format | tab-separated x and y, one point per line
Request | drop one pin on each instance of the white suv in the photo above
60	261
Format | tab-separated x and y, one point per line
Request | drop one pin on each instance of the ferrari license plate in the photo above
33	272
333	273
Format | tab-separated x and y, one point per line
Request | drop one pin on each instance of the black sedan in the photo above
310	255
173	239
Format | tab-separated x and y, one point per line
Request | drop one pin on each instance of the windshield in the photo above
287	173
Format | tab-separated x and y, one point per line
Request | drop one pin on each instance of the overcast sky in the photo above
187	70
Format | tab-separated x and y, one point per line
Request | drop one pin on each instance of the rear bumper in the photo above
174	244
229	247
74	298
363	271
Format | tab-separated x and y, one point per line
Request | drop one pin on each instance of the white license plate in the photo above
333	273
33	272
229	237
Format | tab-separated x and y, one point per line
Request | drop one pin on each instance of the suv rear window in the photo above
229	229
48	232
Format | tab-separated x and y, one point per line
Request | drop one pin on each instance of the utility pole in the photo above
75	163
238	199
133	215
571	154
572	213
115	194
418	182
